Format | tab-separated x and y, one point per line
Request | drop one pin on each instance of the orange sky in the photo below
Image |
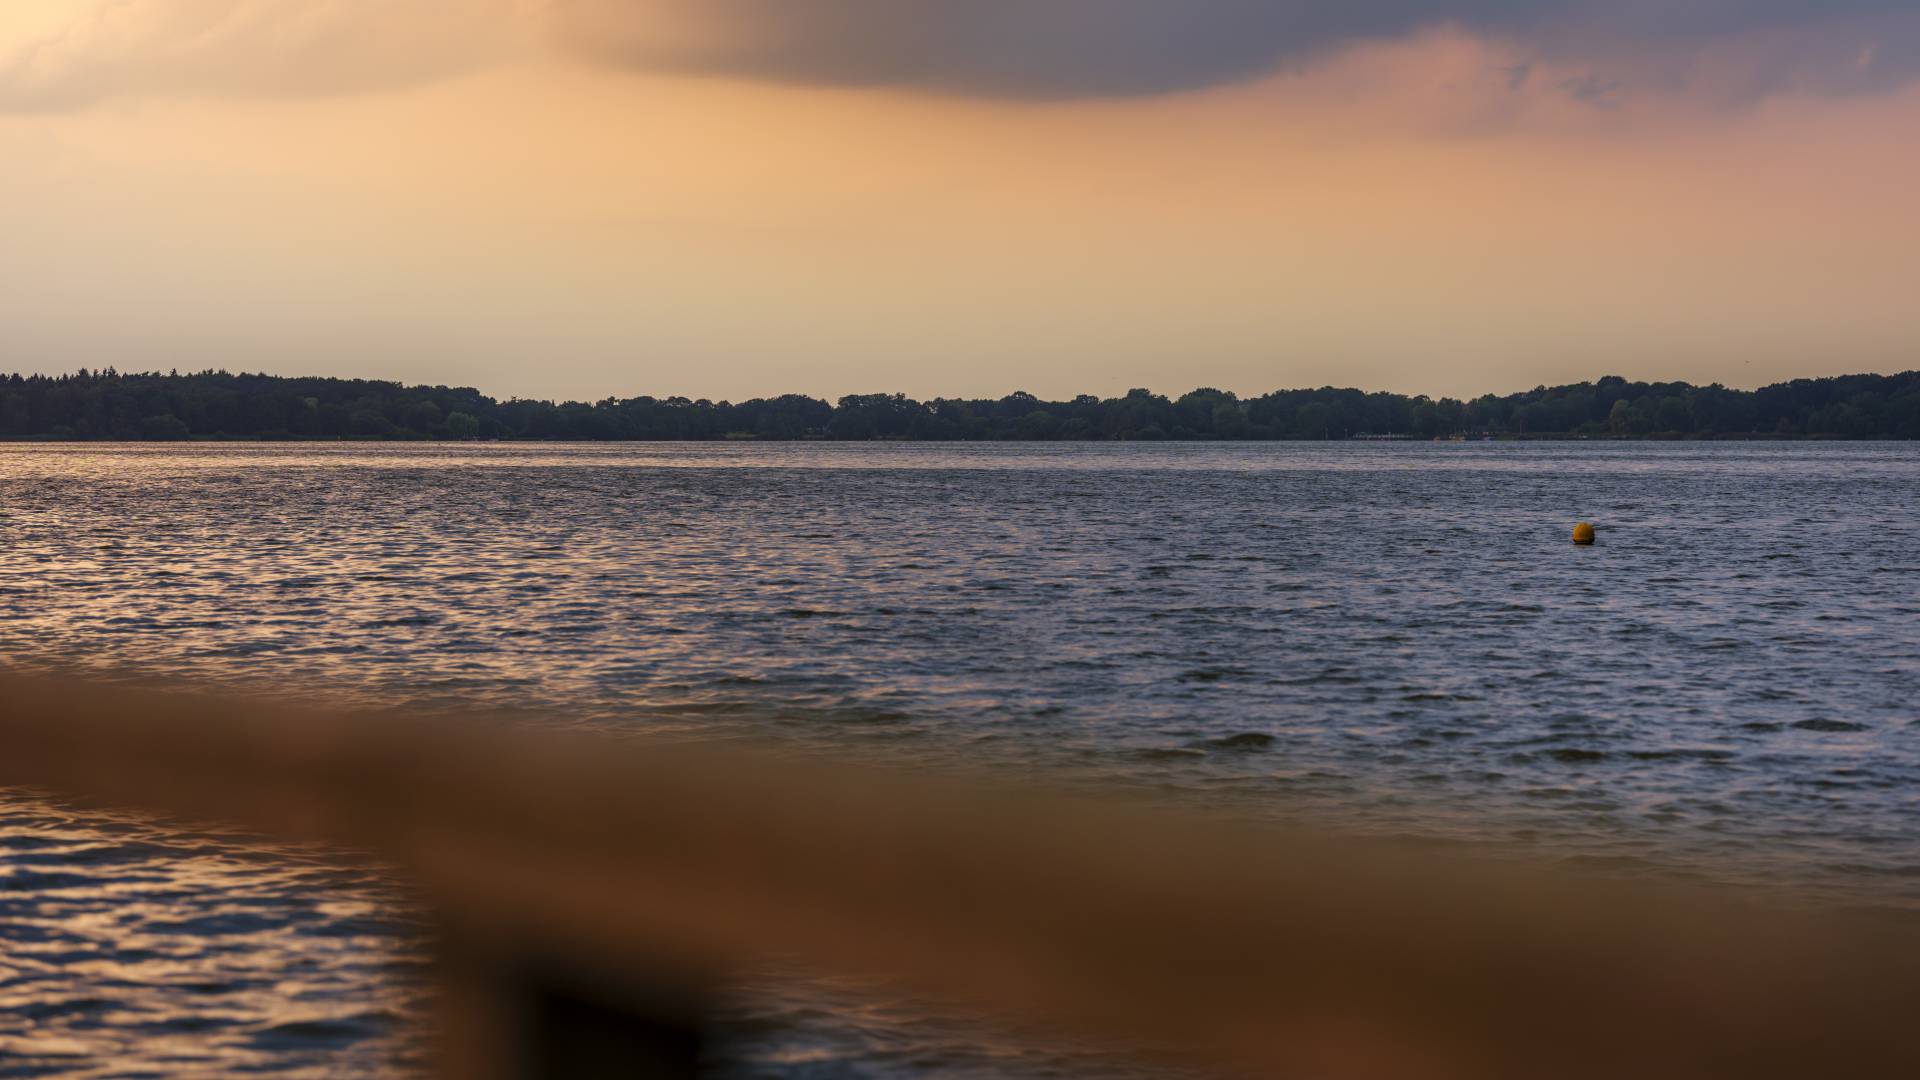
497	208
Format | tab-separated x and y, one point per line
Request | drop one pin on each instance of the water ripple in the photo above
1396	639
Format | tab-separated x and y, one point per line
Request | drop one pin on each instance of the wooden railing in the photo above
591	891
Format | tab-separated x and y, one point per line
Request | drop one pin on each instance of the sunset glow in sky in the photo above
732	198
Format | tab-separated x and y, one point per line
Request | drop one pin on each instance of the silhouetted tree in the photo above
107	404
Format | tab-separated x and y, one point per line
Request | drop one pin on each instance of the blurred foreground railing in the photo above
591	891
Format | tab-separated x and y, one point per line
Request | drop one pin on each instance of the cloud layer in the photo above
105	49
1732	50
1096	48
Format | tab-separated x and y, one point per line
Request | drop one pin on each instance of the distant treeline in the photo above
107	405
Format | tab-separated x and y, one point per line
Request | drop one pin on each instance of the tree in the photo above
164	427
463	425
112	404
1313	420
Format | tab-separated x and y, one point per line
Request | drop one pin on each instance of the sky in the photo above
737	198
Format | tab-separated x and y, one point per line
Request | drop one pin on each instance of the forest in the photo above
109	405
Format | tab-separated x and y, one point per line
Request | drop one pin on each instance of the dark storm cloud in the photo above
1016	49
1096	48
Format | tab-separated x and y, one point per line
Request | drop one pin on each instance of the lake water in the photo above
1395	639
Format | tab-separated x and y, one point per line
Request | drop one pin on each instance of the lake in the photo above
1394	639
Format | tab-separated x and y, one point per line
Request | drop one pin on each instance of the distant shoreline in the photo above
215	406
429	440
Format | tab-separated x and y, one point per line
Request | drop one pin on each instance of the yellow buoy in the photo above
1583	533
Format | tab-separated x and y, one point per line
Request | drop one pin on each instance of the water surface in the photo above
1387	638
